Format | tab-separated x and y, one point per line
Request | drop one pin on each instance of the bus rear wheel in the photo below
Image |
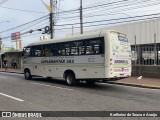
27	75
70	79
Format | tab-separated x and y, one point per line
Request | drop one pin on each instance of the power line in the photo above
3	1
119	11
6	37
90	14
126	6
113	22
111	3
30	31
21	10
86	17
23	24
57	12
112	19
37	23
77	10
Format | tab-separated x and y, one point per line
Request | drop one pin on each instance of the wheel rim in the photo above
69	79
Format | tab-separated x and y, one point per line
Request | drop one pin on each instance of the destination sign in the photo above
121	61
57	61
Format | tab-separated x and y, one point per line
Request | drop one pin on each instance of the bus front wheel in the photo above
70	79
27	75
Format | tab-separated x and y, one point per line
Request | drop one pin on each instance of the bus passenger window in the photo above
81	50
67	51
96	46
36	51
74	51
89	50
46	53
96	49
54	50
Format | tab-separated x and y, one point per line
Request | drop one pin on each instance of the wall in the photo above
146	71
143	30
9	56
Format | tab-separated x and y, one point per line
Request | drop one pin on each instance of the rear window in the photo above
122	38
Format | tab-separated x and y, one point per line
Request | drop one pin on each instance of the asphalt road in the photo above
39	94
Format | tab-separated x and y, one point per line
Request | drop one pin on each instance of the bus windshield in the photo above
26	51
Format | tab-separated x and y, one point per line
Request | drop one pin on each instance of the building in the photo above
144	37
9	54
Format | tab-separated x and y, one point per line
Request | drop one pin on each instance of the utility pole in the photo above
81	17
0	44
135	50
52	18
72	29
155	50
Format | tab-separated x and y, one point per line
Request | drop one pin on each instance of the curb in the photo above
135	85
12	72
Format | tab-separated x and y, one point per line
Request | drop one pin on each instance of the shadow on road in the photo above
81	84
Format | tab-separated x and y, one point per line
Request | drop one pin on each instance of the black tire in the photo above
49	78
70	79
89	82
27	75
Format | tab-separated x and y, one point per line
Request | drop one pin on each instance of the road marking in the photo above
52	86
11	97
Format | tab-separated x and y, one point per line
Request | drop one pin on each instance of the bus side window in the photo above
27	51
77	47
60	49
46	52
74	51
81	50
97	46
67	48
101	46
36	51
54	51
81	47
89	48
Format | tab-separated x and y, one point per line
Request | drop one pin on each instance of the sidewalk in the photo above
152	83
11	70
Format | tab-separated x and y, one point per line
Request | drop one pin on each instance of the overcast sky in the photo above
18	12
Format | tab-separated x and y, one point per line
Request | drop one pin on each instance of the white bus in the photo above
90	57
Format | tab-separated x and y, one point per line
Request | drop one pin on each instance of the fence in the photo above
147	54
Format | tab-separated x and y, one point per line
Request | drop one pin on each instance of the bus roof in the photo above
73	38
